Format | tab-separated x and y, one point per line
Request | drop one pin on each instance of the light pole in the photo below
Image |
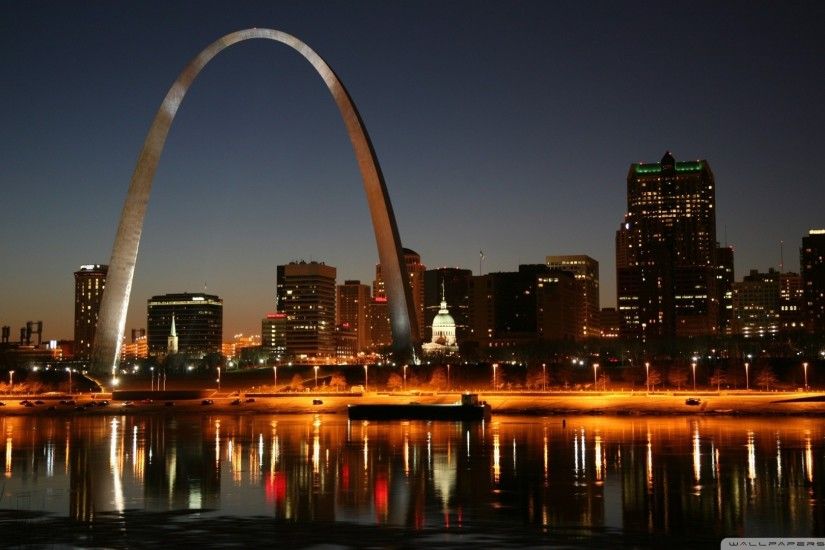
647	375
316	376
219	380
747	380
275	378
152	378
405	377
544	377
595	368
11	380
448	377
164	379
366	377
495	366
70	379
693	365
805	370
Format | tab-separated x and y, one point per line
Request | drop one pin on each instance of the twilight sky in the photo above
502	126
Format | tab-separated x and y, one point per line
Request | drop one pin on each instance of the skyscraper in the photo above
790	302
756	304
273	333
586	272
665	251
89	282
812	267
306	294
198	323
352	309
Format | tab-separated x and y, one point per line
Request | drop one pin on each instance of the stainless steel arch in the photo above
112	318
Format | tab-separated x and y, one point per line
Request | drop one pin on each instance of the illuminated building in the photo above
273	333
724	287
240	342
756	304
352	309
610	322
346	342
415	270
379	322
812	268
558	301
586	272
666	251
138	348
456	292
89	282
198	323
443	328
790	302
306	294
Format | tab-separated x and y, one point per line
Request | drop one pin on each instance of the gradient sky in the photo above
502	126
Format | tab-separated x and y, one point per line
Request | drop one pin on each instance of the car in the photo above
207	402
103	403
236	402
693	401
317	402
129	404
24	402
29	404
249	400
147	401
2	404
80	408
39	402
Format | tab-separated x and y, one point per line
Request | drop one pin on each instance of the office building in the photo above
89	282
812	270
666	264
306	294
273	334
586	272
559	306
756	304
610	322
379	323
352	302
198	323
791	299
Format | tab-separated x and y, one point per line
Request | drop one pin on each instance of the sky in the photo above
507	127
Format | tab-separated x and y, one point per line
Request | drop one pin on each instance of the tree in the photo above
655	378
297	382
395	382
535	378
438	380
337	381
766	377
718	378
677	376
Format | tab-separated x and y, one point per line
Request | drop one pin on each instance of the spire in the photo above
173	332
443	297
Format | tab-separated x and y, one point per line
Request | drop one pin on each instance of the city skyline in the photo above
519	149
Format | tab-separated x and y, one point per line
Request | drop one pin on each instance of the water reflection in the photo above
741	477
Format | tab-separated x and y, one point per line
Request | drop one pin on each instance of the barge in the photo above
469	408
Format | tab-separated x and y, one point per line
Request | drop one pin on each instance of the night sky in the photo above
506	127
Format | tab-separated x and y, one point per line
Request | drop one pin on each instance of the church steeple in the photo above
172	340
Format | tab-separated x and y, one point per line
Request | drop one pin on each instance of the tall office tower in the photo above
812	268
456	284
724	287
307	297
503	306
665	248
198	323
790	302
586	271
415	270
559	305
610	321
756	304
379	323
273	334
352	302
89	282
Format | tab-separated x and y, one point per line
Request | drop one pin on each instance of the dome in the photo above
443	320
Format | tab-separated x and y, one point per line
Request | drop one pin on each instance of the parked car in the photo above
236	402
317	402
250	400
207	402
693	401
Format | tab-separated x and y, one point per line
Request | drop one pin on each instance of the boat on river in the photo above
468	409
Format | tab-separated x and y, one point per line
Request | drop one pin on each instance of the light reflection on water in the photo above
674	476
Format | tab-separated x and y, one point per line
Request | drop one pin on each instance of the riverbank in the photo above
502	403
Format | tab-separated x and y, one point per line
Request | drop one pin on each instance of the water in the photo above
316	480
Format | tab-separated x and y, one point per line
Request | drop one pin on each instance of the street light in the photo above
747	379
805	369
316	376
693	365
495	366
448	376
70	379
595	368
366	377
544	377
275	377
647	375
219	380
405	377
152	377
11	380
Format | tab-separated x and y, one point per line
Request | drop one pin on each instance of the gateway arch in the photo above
112	318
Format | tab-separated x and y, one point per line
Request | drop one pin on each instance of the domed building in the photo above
443	340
